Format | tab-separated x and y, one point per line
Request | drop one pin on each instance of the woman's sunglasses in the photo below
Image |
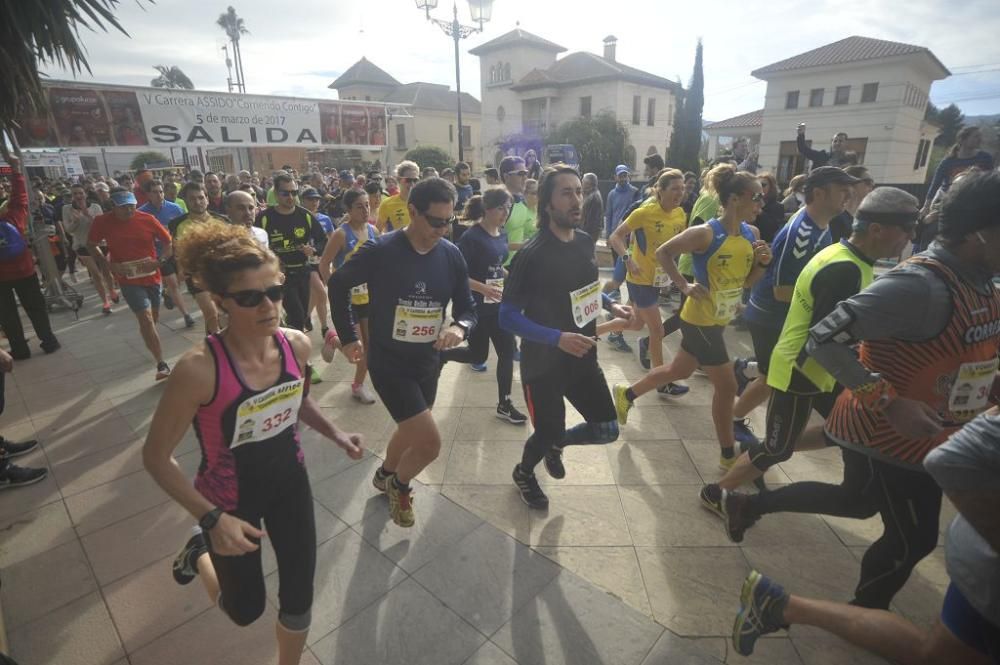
253	297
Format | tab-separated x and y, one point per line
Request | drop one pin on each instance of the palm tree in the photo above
235	27
43	32
171	77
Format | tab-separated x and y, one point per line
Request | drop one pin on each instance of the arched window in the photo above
493	74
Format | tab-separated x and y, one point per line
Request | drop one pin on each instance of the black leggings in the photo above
486	330
581	381
909	502
296	302
286	507
787	416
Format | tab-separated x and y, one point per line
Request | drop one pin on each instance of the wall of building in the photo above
892	124
428	127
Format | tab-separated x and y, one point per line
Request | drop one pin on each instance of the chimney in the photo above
609	47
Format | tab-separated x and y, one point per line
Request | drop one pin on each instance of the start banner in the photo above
95	116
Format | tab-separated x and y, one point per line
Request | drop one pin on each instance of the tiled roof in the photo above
361	72
851	49
516	36
745	121
432	96
583	67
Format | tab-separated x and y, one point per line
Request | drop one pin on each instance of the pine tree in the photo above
685	144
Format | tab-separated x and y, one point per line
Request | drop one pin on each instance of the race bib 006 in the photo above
585	303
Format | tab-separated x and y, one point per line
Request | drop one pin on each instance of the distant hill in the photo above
982	120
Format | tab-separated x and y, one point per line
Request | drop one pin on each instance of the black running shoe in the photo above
554	464
168	302
12	449
531	492
185	567
506	411
18	476
737	515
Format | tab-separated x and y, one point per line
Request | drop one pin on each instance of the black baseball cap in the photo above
828	175
310	193
512	163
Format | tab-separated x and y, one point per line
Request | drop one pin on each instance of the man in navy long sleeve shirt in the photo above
620	198
411	276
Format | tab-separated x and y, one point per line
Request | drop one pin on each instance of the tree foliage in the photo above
951	120
430	155
149	159
685	144
600	141
171	77
43	32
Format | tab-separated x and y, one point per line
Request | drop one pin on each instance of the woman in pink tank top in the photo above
244	390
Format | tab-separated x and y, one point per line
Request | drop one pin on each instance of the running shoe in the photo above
726	463
115	298
762	606
185	566
330	345
737	515
531	491
324	331
188	321
506	411
380	478
362	394
554	464
622	403
400	503
314	376
713	497
106	309
673	390
478	367
11	449
744	433
168	302
643	352
162	370
18	476
742	380
618	343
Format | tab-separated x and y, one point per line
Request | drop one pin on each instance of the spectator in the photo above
492	177
463	186
963	154
690	192
837	156
795	196
620	199
428	172
653	165
531	162
593	206
10	474
842	225
772	213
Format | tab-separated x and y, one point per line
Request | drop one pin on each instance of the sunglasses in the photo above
438	222
288	192
521	172
253	297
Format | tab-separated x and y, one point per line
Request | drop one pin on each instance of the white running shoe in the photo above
362	394
330	346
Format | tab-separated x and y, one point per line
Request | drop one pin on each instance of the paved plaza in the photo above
625	568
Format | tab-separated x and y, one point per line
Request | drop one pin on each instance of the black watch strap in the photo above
210	519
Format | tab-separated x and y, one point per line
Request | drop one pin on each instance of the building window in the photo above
493	74
869	93
792	99
466	136
816	97
920	152
842	96
651	111
506	72
636	109
585	107
400	136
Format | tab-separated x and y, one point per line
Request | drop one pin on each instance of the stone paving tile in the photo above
614	569
32	533
80	632
36	586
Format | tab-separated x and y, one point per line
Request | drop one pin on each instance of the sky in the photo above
298	48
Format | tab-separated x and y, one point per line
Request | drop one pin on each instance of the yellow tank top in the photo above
723	269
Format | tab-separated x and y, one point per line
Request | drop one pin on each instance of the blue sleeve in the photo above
789	265
350	274
607	212
513	320
606	301
938	180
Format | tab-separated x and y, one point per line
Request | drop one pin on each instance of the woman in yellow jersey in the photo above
728	257
651	226
343	243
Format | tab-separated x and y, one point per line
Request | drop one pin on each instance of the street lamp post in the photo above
481	11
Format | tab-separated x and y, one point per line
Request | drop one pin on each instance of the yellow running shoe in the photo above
726	463
622	403
400	503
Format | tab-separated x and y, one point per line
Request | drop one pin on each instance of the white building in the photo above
527	91
874	90
432	112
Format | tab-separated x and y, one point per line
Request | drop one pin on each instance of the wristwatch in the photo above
210	519
466	328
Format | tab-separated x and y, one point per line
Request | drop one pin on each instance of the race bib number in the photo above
136	269
418	325
585	303
359	294
660	278
498	282
268	414
971	390
727	303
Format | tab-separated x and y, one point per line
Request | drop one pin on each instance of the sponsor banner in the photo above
154	117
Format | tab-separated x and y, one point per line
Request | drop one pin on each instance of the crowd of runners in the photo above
401	274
